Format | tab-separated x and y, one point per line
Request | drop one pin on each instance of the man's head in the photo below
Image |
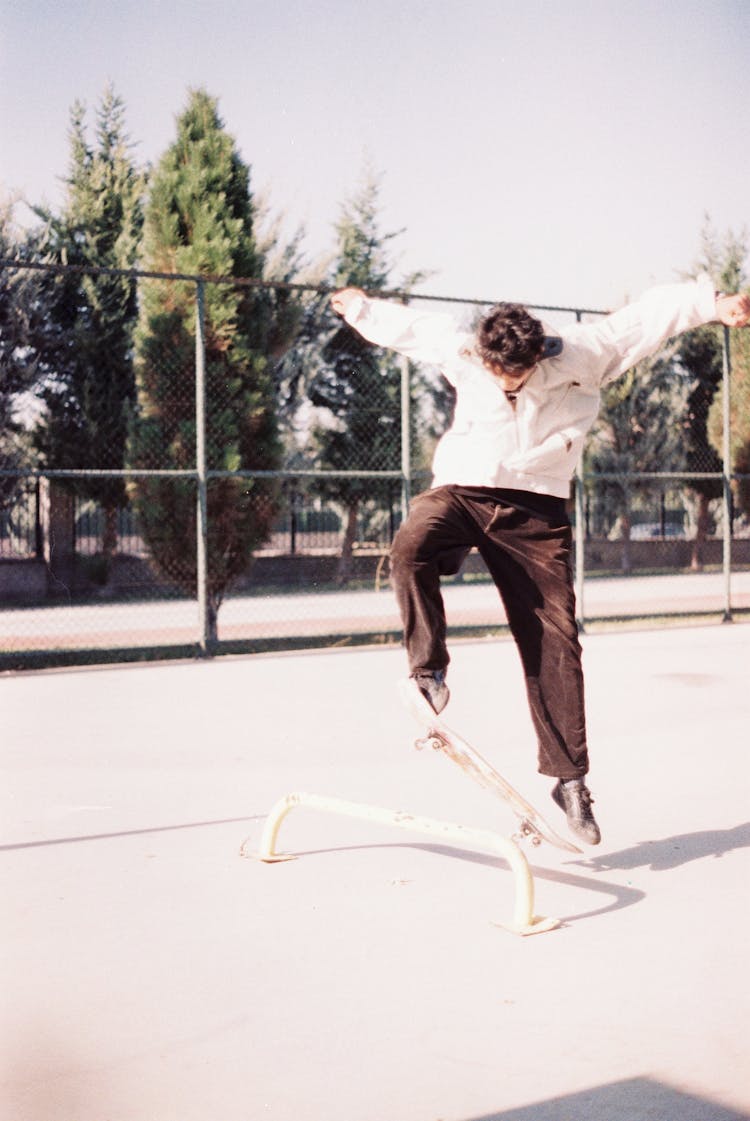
510	341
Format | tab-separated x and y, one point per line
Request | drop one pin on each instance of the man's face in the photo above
510	382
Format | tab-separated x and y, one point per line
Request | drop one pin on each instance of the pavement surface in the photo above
152	973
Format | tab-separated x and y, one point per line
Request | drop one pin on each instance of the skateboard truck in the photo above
527	831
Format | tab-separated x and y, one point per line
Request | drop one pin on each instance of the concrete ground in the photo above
151	973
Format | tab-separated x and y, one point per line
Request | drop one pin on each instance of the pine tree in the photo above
635	434
87	349
200	221
21	322
356	388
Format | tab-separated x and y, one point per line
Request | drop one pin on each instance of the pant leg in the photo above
432	542
529	560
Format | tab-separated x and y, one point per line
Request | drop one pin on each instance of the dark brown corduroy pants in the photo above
527	552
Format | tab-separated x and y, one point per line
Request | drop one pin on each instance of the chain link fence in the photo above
228	473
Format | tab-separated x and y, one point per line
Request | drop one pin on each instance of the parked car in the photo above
649	530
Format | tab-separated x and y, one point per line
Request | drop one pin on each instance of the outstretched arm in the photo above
608	347
422	335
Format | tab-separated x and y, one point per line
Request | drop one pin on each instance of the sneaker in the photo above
432	686
574	799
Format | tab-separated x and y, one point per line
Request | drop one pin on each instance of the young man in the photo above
501	475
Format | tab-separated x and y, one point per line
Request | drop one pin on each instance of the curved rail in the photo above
524	920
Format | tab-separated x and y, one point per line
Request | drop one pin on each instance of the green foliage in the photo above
700	356
361	393
21	320
723	257
739	417
726	259
362	259
635	433
86	347
354	388
200	220
357	389
700	353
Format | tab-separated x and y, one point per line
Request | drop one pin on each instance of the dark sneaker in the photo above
432	686
574	799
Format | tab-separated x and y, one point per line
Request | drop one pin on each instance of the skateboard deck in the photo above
442	738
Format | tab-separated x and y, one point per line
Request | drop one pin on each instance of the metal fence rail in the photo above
85	571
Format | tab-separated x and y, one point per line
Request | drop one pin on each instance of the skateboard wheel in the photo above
428	741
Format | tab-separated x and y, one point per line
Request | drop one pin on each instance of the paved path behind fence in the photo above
468	604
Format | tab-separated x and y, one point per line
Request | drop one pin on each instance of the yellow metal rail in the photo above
524	920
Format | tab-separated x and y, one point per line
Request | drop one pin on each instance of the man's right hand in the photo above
341	300
733	311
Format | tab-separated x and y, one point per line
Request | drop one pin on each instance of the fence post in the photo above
726	453
38	529
201	536
580	540
580	548
405	438
293	520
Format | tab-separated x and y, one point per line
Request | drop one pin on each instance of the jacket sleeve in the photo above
423	336
607	348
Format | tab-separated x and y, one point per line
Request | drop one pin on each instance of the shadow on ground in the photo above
125	833
635	1099
671	852
620	895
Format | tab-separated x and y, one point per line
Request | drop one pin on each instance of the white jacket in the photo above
536	445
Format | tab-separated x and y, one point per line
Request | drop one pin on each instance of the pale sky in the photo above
548	151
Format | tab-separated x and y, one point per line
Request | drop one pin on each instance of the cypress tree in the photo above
200	221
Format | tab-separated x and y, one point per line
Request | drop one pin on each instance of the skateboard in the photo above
442	738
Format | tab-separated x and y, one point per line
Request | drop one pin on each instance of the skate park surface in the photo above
153	973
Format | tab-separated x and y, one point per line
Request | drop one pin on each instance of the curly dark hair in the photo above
509	336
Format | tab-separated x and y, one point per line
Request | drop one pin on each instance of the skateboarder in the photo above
526	397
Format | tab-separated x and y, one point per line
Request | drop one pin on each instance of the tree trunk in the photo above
58	528
109	538
626	563
701	533
212	613
344	571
